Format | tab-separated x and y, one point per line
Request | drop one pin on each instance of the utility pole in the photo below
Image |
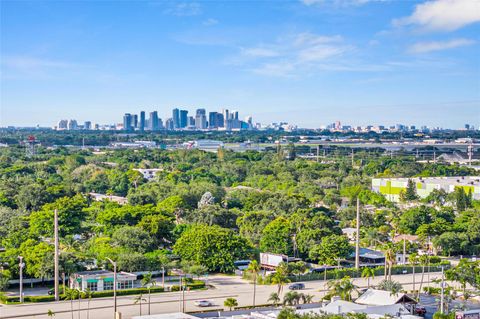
434	157
357	243
470	154
404	258
352	157
318	153
55	221
20	266
442	294
115	314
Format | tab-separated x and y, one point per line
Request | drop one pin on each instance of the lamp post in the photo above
114	287
21	265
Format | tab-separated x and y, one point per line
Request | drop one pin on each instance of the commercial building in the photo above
201	119
176	118
183	118
392	187
100	280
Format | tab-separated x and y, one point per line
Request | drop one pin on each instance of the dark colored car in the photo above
51	291
420	311
296	286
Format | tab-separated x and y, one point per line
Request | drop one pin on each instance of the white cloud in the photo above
340	3
184	9
443	15
26	63
425	47
210	22
260	52
293	54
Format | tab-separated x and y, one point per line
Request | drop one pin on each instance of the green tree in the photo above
277	237
274	298
280	277
389	285
368	273
133	239
212	246
342	287
148	281
253	269
330	249
230	303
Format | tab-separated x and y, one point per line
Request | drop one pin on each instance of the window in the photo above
92	286
107	285
125	284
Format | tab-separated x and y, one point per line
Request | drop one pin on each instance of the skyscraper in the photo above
141	124
201	119
169	125
183	118
153	121
212	120
176	118
135	121
87	125
127	122
220	120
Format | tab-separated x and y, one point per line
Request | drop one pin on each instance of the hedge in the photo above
95	294
354	273
196	284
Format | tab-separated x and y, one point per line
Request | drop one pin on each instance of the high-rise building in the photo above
72	125
234	115
127	122
87	125
62	125
176	118
226	115
220	120
201	119
153	121
191	122
212	120
141	124
183	118
135	121
169	125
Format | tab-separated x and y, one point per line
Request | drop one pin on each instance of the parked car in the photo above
203	303
420	311
296	286
51	292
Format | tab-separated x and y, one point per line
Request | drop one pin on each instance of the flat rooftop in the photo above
448	180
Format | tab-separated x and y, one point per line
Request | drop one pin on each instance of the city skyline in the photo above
306	62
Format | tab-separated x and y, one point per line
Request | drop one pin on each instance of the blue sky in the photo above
307	62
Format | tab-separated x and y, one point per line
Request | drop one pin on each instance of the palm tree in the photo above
389	285
50	313
306	298
254	268
423	262
291	298
138	299
342	288
368	273
230	303
70	294
88	294
390	255
413	258
280	277
148	282
274	298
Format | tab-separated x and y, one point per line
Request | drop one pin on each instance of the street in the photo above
224	287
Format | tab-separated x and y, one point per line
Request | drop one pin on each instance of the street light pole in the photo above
114	287
57	297
442	294
21	265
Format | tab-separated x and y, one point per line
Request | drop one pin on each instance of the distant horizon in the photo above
305	62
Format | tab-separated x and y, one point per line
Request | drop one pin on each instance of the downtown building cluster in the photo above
226	120
180	120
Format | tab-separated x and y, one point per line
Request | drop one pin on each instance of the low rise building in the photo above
100	280
393	187
148	173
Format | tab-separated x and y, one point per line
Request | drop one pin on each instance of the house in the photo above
374	297
100	280
148	173
350	232
101	197
368	257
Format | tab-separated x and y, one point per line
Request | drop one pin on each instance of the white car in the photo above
203	303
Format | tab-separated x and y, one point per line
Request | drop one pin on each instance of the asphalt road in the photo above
224	287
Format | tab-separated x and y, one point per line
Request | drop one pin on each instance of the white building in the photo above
148	173
100	280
